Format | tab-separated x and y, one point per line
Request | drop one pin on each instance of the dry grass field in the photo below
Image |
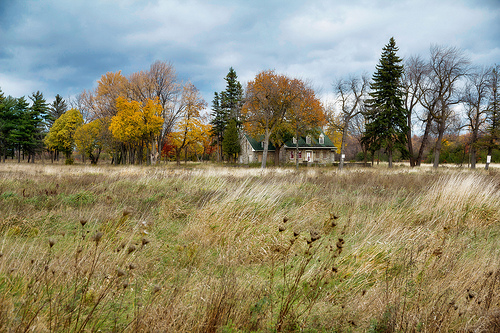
211	249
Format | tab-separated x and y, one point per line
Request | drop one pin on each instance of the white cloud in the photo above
17	87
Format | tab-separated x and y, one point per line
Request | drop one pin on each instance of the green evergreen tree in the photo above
7	125
218	122
231	143
231	99
226	105
387	120
56	109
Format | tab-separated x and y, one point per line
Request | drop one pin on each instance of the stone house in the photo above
312	149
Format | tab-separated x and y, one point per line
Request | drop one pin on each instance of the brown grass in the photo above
143	249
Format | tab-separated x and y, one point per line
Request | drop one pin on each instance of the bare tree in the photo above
493	112
475	100
415	73
446	67
160	82
350	97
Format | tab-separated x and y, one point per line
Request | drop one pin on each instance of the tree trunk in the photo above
437	149
266	148
425	137
342	145
389	155
277	155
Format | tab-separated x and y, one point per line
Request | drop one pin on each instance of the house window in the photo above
308	140
262	143
291	155
299	155
321	139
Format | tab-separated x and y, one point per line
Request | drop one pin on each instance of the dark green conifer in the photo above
386	115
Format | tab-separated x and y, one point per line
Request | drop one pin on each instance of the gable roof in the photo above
257	143
314	142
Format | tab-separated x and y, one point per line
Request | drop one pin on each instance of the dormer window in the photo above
308	140
294	140
262	143
321	139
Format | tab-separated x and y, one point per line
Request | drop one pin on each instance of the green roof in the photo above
256	143
327	143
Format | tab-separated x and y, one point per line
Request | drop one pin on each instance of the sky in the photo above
64	47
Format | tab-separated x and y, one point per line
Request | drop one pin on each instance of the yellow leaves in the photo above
89	136
61	134
135	121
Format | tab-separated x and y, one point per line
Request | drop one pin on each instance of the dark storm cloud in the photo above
60	46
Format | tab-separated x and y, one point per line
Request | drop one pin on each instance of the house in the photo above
318	149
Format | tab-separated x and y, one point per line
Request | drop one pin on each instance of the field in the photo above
212	249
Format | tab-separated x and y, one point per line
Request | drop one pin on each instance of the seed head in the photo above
131	266
156	289
51	242
125	284
97	237
314	235
281	228
83	222
127	212
131	248
120	272
144	241
285	219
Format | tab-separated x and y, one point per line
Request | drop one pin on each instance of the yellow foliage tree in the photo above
61	134
90	139
136	124
190	129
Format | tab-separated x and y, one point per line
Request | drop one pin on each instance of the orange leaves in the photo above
135	121
277	100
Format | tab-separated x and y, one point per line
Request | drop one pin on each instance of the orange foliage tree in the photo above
279	106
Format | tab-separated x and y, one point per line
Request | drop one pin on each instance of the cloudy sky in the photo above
64	46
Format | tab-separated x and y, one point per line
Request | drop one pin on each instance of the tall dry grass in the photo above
206	249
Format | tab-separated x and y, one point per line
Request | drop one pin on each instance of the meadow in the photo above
214	249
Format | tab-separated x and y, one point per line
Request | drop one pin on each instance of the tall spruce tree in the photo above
387	120
56	109
218	122
231	144
226	105
232	97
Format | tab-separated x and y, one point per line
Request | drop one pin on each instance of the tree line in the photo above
151	115
437	97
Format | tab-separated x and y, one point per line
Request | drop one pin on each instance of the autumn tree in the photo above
350	93
387	119
61	135
136	125
159	82
109	88
90	139
268	97
190	129
305	115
